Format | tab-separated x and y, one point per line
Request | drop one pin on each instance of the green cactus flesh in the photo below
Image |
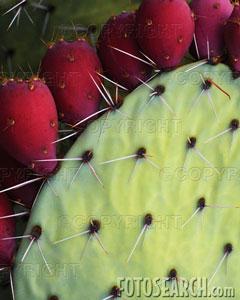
181	166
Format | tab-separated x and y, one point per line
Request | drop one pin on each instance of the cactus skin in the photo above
122	204
232	36
66	67
13	173
165	31
7	229
24	103
119	32
210	17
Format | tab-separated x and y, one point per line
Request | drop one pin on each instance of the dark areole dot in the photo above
228	248
87	156
53	298
236	74
206	84
36	232
148	219
191	142
172	274
159	90
213	61
92	28
94	226
116	105
216	5
234	125
115	292
51	8
201	203
10	52
141	153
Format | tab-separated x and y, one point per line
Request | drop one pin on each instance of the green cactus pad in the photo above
180	167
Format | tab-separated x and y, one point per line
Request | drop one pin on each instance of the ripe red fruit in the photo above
119	32
7	229
232	38
66	68
28	123
210	17
165	31
13	173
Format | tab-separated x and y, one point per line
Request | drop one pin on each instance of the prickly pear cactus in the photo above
157	194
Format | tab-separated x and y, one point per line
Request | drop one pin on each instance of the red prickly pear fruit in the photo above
67	67
28	124
13	173
232	38
165	31
119	32
210	17
7	230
